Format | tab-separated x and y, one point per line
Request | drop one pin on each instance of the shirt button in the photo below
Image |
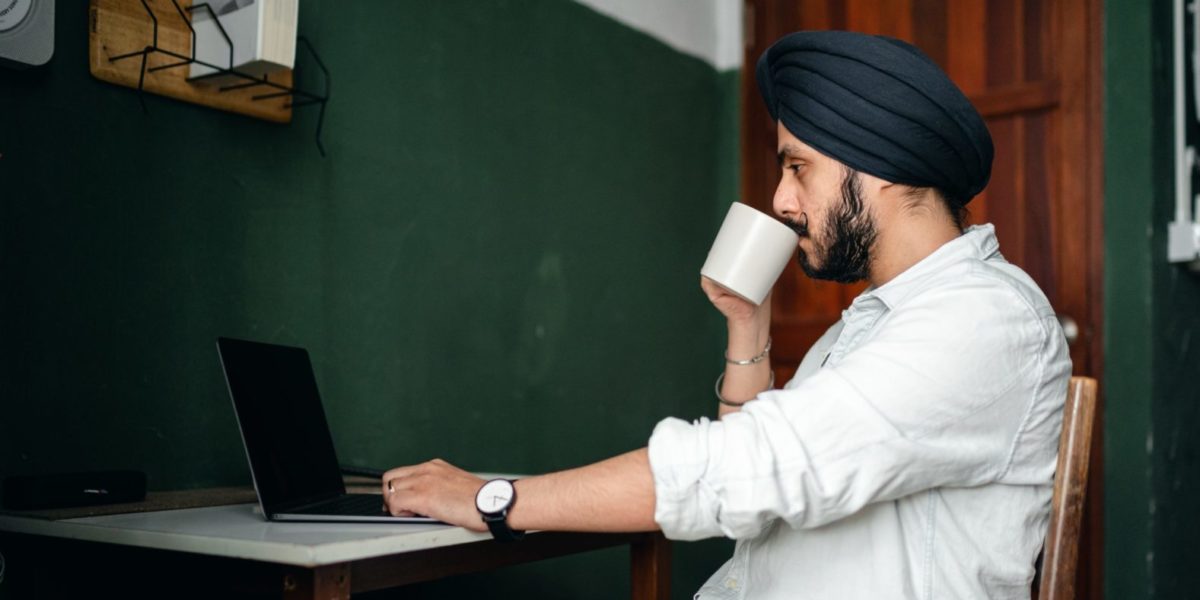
731	583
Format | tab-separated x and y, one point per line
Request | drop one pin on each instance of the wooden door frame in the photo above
1083	91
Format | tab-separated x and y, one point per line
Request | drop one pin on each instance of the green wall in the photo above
1152	323
496	264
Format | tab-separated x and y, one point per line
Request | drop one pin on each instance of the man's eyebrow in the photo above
789	150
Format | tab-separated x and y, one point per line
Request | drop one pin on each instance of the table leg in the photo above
650	567
329	582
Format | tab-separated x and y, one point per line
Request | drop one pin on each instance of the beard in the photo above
842	251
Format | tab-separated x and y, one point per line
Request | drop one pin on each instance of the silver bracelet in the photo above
751	361
717	389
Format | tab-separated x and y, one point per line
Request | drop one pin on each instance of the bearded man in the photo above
913	453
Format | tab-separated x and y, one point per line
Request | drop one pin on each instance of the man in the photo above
913	454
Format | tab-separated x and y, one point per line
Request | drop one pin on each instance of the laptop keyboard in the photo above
349	505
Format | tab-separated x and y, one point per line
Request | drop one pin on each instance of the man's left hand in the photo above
435	489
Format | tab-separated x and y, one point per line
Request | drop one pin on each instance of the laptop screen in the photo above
283	425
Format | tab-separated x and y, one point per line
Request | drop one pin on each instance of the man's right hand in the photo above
737	310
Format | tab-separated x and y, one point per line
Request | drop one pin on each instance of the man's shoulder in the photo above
967	270
977	306
992	284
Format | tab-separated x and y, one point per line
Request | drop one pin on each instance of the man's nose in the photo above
786	203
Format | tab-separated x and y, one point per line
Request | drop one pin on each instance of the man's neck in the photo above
907	242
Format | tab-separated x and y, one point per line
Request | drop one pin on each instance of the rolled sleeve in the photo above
686	507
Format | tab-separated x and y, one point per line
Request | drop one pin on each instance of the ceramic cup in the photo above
750	252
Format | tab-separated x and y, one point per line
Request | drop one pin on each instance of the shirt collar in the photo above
977	242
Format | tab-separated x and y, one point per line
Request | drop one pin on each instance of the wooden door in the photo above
1032	68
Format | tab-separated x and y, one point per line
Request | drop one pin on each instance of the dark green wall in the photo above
496	264
1152	324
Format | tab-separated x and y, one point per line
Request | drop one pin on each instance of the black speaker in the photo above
63	490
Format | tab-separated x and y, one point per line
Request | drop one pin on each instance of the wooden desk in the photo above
230	551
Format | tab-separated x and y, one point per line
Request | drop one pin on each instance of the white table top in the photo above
239	531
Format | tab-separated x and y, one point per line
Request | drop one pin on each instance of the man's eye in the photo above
795	168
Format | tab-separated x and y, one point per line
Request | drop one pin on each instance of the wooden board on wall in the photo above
117	27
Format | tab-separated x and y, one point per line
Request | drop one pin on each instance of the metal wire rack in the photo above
298	97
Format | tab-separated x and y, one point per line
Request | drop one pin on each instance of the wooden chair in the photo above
1061	552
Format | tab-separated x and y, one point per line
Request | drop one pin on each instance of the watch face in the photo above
494	496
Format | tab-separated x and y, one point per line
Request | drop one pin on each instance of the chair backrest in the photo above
1061	552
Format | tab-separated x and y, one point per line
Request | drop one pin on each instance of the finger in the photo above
397	513
394	502
405	487
399	492
394	474
395	508
404	501
711	290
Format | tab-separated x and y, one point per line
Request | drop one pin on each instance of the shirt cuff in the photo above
686	507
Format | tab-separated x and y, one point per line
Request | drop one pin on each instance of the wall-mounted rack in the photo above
160	33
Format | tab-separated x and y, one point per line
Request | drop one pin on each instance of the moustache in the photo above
800	226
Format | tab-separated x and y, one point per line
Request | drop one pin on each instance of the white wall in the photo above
708	29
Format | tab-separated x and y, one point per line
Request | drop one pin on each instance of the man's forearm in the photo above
612	495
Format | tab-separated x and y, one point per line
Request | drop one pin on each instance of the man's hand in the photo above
741	314
435	489
732	306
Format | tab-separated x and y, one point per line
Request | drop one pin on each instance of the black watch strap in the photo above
498	524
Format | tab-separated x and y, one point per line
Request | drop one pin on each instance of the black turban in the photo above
880	106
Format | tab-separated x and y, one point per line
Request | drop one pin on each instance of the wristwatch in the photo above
493	501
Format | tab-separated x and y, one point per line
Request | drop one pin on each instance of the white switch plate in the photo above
1183	241
26	32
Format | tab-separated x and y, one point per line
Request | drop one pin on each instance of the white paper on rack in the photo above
262	32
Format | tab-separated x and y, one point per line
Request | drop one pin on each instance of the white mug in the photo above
750	252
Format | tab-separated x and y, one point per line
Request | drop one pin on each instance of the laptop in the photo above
292	462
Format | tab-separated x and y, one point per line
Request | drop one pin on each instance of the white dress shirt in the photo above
912	456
